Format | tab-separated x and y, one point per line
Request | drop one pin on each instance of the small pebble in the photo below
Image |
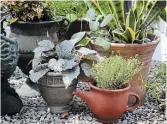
34	110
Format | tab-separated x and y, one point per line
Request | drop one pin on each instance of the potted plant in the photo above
110	88
74	11
132	35
56	69
31	21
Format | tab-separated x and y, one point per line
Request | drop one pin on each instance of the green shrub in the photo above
156	84
114	72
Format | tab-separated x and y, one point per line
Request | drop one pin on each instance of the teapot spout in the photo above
85	95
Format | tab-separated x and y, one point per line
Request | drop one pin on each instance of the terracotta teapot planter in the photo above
107	105
145	52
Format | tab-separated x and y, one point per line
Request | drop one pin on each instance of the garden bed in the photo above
35	109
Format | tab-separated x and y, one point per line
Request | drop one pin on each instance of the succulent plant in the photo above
135	27
98	32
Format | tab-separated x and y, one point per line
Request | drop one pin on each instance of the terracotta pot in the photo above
145	52
107	105
77	26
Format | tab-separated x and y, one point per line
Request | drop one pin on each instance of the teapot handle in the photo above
136	104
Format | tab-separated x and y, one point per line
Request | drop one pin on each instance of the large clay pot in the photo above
53	91
145	52
107	105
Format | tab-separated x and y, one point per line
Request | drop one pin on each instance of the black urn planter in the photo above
77	26
27	35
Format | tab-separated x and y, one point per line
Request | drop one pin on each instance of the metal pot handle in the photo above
63	27
136	104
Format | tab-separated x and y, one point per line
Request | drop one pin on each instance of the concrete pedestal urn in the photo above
53	91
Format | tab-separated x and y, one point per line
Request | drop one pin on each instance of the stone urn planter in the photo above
145	52
27	35
107	105
52	89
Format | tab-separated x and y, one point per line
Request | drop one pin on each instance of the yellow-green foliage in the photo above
114	72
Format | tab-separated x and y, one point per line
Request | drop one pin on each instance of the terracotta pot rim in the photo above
156	41
106	90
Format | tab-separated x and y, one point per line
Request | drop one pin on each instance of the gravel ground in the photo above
35	109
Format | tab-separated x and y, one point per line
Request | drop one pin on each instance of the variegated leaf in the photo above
46	45
58	67
71	17
35	62
86	69
78	36
91	14
106	20
104	42
64	47
52	63
70	75
94	57
99	17
40	67
69	64
86	51
35	76
37	52
93	25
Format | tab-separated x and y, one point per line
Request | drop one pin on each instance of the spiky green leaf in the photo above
106	20
154	12
130	20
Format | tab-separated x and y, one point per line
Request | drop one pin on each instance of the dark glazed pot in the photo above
77	26
53	91
145	52
27	35
107	105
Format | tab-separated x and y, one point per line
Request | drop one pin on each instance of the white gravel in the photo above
35	110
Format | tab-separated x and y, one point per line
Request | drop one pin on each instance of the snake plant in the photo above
134	28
